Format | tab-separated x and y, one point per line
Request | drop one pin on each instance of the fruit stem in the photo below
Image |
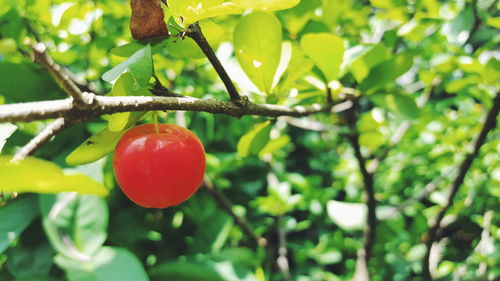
155	117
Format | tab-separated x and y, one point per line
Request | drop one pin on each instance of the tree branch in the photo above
40	56
368	180
43	137
32	111
489	125
196	34
227	206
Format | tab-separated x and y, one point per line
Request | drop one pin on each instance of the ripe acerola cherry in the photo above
158	169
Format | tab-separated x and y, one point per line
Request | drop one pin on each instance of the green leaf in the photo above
400	104
37	175
109	264
94	148
327	52
125	85
298	67
8	46
257	43
100	144
140	64
24	83
461	25
266	5
492	71
183	271
275	145
27	261
254	140
15	217
495	22
460	84
372	56
279	200
6	130
188	12
406	106
76	226
387	72
127	50
37	278
184	48
213	236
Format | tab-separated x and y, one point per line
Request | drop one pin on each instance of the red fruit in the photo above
159	170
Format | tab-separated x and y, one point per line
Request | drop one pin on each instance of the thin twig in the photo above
227	206
40	56
282	260
43	137
489	125
31	111
371	203
197	35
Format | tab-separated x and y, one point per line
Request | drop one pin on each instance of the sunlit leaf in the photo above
255	140
188	12
6	130
349	216
495	22
139	64
257	43
326	50
127	50
387	72
125	85
275	145
298	66
266	5
458	29
400	104
360	67
37	175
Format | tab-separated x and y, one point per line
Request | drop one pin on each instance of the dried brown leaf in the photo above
147	19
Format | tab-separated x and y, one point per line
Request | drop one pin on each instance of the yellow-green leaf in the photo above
495	22
255	140
266	5
371	57
186	12
257	43
125	85
326	50
37	175
94	148
191	11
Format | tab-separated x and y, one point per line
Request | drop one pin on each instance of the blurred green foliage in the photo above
433	65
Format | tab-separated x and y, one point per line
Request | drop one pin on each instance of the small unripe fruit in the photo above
158	169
